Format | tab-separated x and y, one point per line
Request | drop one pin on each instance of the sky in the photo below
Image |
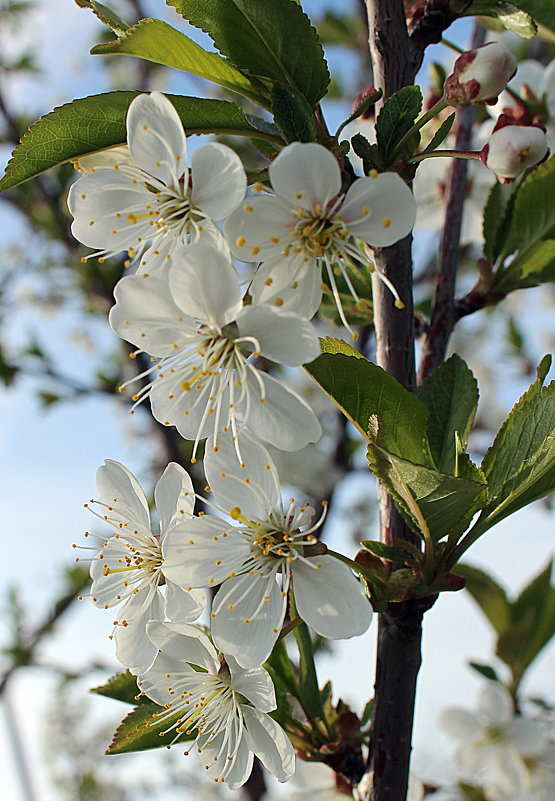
49	460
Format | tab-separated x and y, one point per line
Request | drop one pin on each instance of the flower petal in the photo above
255	685
184	642
529	737
270	743
390	209
203	552
227	755
154	681
146	315
119	489
495	703
461	724
174	496
248	612
181	606
284	337
260	229
133	647
280	416
205	285
219	180
330	598
254	486
291	284
305	174
156	138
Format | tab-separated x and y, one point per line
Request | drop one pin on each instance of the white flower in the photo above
191	317
534	77
225	704
310	224
514	148
494	742
317	782
480	75
146	203
260	556
129	570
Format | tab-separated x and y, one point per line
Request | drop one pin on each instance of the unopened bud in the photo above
480	75
514	148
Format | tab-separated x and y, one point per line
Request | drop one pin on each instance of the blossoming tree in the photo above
227	269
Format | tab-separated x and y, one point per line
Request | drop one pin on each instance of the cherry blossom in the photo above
145	201
309	224
226	705
190	317
259	556
480	75
129	569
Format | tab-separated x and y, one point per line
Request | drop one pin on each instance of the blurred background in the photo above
61	414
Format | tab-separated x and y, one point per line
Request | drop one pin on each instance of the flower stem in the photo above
437	108
473	155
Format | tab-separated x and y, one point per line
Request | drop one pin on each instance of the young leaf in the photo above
441	134
484	670
390	552
362	389
283	676
512	15
309	692
272	40
104	14
520	465
396	118
98	122
533	218
157	41
432	503
143	729
122	687
535	266
293	115
488	594
451	395
497	219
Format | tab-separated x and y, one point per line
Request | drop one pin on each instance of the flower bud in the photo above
514	148
480	75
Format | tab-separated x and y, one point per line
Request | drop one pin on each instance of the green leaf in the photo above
397	116
532	625
484	670
362	389
390	552
363	105
309	693
293	115
441	134
543	11
512	15
451	395
366	151
272	40
533	218
535	266
497	219
432	503
283	676
520	464
122	687
98	122
157	41
105	15
488	594
142	729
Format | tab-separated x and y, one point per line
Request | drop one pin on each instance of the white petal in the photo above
185	409
291	284
118	488
495	703
461	724
330	598
215	750
154	681
270	743
529	737
255	685
219	180
249	642
133	648
156	137
391	209
103	159
284	419
305	174
174	496
184	642
283	337
181	606
204	283
193	549
254	487
146	315
260	229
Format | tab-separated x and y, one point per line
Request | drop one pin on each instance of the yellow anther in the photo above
373	173
386	222
248	208
240	241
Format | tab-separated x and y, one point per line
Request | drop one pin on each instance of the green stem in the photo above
452	45
437	108
454	154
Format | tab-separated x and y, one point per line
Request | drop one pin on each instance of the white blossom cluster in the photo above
184	310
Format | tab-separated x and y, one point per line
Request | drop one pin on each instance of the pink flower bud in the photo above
480	75
514	148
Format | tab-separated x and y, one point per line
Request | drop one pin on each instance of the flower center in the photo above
318	232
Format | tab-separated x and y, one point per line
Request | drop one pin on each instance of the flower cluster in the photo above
202	348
